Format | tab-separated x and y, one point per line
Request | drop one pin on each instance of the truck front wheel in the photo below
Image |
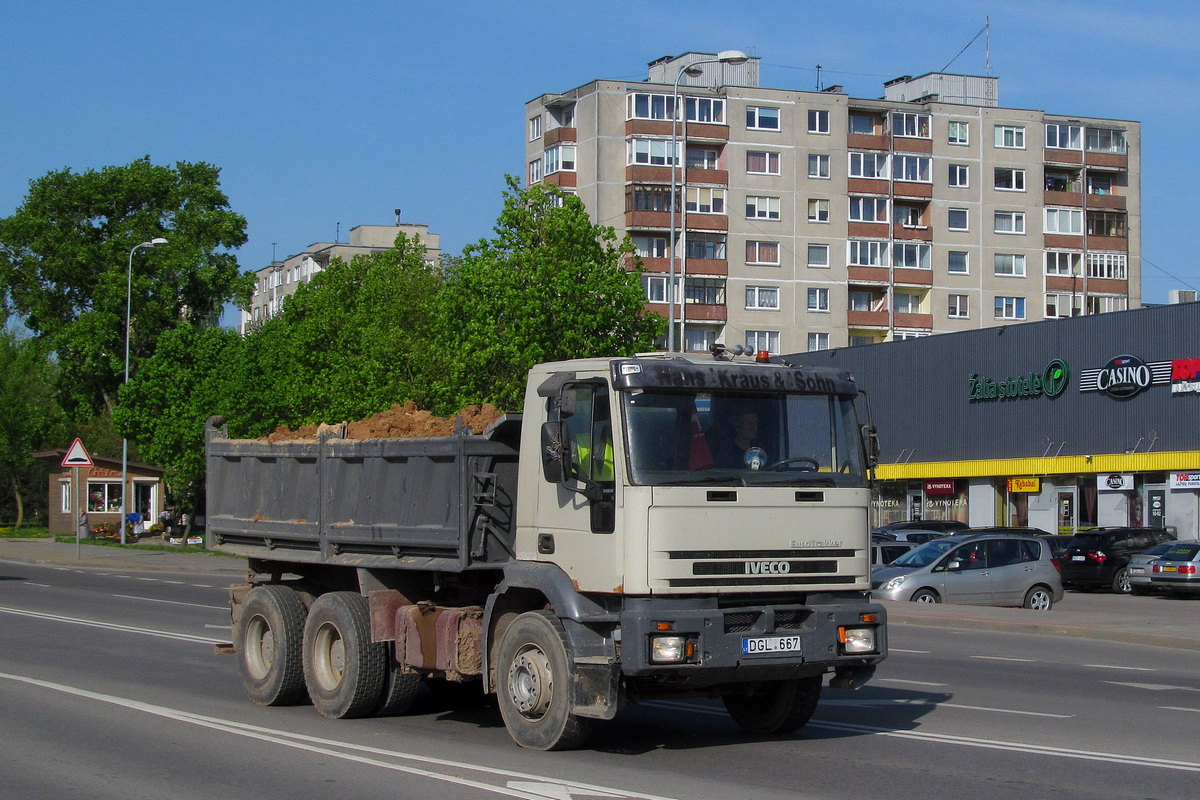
343	668
773	706
269	637
534	683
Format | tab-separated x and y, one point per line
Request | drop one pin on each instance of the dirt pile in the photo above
399	422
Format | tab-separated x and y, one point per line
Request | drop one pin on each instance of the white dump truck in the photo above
649	527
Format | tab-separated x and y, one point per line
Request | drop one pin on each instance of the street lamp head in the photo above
732	57
155	242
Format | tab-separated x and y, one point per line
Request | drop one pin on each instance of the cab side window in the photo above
971	556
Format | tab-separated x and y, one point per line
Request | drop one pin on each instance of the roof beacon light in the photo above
763	356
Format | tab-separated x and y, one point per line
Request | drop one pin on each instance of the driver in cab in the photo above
738	446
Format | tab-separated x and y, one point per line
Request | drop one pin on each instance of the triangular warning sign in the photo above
77	456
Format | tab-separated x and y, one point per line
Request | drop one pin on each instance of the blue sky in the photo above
321	113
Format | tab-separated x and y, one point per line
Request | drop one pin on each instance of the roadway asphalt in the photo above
1153	620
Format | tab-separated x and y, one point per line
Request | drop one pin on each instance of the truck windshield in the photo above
742	439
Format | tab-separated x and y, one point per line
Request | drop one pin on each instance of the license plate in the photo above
1168	569
1079	558
1136	570
771	644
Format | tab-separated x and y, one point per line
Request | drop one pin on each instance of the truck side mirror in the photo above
555	451
870	437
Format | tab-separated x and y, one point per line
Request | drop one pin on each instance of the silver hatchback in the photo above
974	569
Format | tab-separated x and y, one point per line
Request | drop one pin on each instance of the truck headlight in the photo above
857	640
894	583
668	649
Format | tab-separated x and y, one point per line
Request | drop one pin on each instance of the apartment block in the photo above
806	220
280	279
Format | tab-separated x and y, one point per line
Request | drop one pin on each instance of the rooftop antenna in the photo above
987	26
337	234
986	29
818	77
273	250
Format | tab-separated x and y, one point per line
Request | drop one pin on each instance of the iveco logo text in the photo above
768	567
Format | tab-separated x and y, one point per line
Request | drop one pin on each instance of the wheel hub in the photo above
530	683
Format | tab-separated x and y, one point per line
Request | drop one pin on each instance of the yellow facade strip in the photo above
1054	465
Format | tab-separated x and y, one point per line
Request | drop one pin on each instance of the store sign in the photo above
1050	382
1125	376
1185	480
938	488
1024	485
1185	376
1116	482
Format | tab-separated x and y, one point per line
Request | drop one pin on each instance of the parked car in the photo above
1140	567
1178	569
1058	544
885	551
997	569
943	526
1100	558
915	535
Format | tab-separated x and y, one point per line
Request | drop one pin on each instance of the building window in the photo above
648	197
762	298
1011	180
763	340
1009	222
818	121
1103	304
649	106
563	116
957	219
1064	137
759	162
103	497
959	306
760	118
818	166
702	200
860	301
906	303
958	262
560	158
1099	184
818	300
907	216
910	125
704	291
868	209
1011	137
535	128
868	165
535	175
702	158
1010	308
1061	306
818	211
762	207
699	340
900	336
1010	265
706	109
913	168
858	341
1112	266
762	253
911	255
866	253
818	256
818	341
862	124
1103	140
959	133
1062	264
960	176
706	245
656	288
64	488
1064	220
655	152
650	246
1105	223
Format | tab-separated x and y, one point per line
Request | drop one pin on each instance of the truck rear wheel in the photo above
400	687
773	706
534	684
269	638
343	669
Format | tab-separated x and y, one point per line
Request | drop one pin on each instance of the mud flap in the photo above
852	677
597	689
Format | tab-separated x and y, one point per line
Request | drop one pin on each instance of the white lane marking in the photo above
910	683
1117	666
987	744
918	652
887	702
111	626
1154	687
149	580
526	785
202	585
1180	708
1006	658
218	627
175	583
43	585
171	602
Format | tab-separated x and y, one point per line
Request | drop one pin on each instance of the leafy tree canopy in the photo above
65	255
29	421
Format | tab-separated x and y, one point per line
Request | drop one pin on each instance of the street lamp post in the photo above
155	242
692	70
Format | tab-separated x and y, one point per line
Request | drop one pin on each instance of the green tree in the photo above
551	285
65	254
29	421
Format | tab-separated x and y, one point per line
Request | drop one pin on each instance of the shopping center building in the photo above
1062	425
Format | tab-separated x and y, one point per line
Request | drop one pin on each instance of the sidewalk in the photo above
48	551
1155	620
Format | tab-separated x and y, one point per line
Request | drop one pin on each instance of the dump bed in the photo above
444	503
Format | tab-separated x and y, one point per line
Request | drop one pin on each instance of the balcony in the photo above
561	179
874	275
707	176
649	127
868	319
867	230
653	220
716	267
1053	155
705	222
1108	160
911	144
912	233
1053	198
1107	286
917	321
913	277
701	312
866	141
647	173
1114	202
705	131
556	135
867	186
1063	283
1063	241
696	131
923	191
